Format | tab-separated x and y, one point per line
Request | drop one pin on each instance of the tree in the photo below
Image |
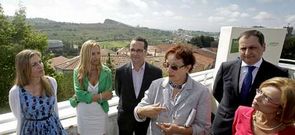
196	41
16	35
5	29
289	48
202	41
111	66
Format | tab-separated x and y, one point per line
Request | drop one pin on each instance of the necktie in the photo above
247	82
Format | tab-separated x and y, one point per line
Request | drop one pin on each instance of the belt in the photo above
44	118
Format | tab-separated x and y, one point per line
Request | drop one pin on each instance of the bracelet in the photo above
100	96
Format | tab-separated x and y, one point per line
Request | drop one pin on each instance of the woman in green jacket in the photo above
93	87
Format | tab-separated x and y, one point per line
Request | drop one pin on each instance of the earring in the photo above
279	112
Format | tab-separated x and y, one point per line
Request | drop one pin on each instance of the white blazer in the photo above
194	95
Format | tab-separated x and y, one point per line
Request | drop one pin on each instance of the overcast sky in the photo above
204	15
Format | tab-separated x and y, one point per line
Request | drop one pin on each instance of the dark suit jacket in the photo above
124	85
226	91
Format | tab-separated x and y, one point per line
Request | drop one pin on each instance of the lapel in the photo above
166	98
185	92
236	69
101	78
258	78
166	93
259	75
130	79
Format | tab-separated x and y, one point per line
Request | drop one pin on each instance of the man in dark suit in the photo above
131	81
230	88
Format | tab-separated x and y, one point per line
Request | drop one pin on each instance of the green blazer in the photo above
81	93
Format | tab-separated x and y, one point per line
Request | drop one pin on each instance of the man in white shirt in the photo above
131	81
236	81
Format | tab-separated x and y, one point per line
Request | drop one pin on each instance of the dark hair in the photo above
183	52
255	33
142	40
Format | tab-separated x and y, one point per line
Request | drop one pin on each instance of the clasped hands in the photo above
107	95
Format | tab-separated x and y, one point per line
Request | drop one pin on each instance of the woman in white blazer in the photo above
176	104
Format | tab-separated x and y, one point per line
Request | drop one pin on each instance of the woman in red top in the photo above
272	112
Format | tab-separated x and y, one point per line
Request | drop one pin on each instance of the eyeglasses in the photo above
136	50
173	67
265	98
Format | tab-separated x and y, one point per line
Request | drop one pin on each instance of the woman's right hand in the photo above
102	96
151	111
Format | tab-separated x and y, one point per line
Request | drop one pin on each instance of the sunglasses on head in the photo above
173	67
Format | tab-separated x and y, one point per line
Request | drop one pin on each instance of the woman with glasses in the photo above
176	104
272	112
33	98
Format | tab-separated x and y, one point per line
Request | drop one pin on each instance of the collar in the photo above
257	64
175	85
187	85
141	68
178	86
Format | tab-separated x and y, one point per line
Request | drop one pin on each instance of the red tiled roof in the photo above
58	60
69	64
164	47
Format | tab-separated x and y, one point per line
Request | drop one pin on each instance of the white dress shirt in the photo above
137	77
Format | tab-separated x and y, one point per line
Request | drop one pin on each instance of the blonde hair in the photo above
287	102
24	69
84	65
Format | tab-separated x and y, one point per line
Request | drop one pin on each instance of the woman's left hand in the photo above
168	128
171	128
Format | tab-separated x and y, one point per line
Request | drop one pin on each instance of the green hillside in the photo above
108	31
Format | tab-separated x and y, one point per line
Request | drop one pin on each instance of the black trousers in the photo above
127	124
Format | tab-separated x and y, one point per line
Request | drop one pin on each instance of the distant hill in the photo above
108	31
114	23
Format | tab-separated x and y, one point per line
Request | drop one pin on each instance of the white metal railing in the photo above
67	114
290	65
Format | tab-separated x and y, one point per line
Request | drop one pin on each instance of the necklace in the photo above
265	128
175	85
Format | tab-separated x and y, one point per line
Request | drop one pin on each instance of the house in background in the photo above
68	65
62	64
205	58
57	61
55	46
